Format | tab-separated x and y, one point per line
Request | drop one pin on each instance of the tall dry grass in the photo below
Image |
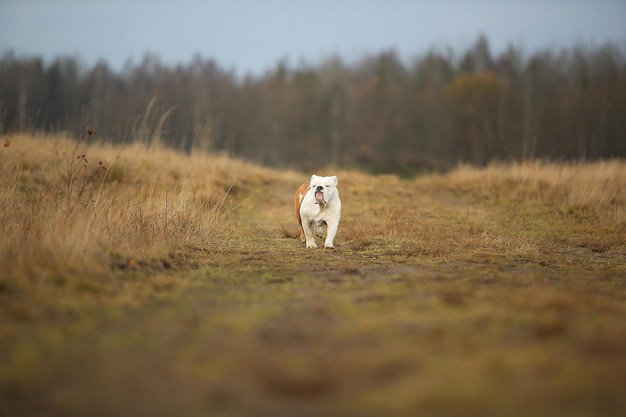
599	187
516	210
69	209
553	208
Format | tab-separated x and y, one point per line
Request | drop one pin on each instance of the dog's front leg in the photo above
308	234
331	231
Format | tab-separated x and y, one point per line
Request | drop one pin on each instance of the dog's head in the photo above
323	188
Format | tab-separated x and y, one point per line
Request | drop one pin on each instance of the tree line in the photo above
379	112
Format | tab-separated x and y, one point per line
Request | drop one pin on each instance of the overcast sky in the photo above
251	36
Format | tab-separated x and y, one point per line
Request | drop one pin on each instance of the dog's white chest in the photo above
317	212
320	217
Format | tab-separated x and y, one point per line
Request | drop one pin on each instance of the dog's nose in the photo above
320	188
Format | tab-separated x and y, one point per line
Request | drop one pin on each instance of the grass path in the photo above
437	301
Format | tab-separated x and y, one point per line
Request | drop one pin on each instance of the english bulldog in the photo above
318	204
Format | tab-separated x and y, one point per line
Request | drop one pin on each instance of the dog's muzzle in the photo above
319	195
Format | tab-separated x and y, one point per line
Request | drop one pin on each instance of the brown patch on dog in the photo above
302	190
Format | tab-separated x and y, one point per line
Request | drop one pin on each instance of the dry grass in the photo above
70	211
519	210
597	188
163	284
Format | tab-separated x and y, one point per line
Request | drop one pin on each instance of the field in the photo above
138	281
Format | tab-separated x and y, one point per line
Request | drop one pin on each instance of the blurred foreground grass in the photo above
177	288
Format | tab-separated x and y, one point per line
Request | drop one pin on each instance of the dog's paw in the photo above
311	245
329	247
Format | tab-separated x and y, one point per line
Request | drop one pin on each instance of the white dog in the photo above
317	204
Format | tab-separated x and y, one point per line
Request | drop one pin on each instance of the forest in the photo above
379	113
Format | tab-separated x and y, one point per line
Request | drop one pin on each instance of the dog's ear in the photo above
335	180
314	178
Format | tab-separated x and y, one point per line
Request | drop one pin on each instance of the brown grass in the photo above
139	281
69	210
